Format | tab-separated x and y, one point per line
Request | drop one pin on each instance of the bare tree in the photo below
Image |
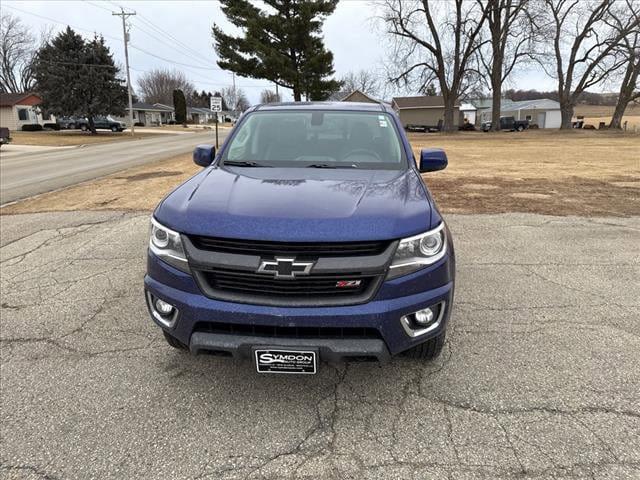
364	80
157	86
269	96
629	49
436	42
583	47
18	48
235	98
511	36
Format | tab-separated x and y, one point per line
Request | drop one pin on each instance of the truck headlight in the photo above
167	245
416	252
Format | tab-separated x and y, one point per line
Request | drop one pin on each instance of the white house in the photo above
18	109
543	112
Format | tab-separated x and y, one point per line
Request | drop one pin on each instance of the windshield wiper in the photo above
244	163
327	165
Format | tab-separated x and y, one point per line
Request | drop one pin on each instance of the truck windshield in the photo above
319	139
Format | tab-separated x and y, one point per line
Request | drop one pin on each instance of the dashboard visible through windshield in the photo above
318	139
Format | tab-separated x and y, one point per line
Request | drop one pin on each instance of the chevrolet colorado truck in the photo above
309	236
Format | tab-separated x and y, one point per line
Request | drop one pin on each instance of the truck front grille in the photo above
266	249
309	286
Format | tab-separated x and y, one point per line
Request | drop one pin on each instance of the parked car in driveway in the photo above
309	236
508	123
102	123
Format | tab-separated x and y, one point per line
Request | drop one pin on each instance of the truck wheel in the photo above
427	350
174	342
114	129
83	127
520	128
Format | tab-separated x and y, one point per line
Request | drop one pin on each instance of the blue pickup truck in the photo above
310	235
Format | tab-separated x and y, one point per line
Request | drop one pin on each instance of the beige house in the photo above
18	109
423	111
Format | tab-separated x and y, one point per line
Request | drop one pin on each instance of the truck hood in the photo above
299	204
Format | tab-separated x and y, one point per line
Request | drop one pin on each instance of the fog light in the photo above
163	307
424	317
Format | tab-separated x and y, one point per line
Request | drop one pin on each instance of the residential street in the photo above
27	173
539	377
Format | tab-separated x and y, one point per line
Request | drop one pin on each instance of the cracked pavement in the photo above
539	377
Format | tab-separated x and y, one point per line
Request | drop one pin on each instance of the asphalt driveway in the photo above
540	377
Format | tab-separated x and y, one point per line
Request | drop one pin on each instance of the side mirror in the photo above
204	155
432	159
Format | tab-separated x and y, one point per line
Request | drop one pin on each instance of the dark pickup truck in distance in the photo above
101	123
508	123
310	235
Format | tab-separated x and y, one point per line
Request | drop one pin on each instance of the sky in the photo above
177	34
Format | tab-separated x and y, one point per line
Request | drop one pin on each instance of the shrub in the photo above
32	127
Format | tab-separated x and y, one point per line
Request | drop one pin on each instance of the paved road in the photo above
539	378
26	174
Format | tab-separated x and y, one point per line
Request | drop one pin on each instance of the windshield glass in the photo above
314	138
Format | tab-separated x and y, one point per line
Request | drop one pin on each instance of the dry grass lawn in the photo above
586	173
72	137
594	114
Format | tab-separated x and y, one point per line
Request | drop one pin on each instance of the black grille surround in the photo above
224	271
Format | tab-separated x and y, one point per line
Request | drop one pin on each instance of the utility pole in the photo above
124	16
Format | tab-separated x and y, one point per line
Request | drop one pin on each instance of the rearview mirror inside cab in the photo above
432	159
204	155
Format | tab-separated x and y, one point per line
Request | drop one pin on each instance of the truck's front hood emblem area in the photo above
285	267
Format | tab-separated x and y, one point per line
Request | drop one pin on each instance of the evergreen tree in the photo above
180	106
78	77
282	44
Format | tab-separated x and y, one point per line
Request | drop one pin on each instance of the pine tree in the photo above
78	77
180	106
282	44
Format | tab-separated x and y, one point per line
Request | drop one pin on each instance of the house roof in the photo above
507	104
467	107
422	101
11	99
157	107
539	104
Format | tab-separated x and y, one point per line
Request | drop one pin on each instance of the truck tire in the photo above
520	128
174	342
115	129
84	127
427	350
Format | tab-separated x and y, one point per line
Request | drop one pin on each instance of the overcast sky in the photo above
350	33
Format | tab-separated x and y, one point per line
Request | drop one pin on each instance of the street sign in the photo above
216	104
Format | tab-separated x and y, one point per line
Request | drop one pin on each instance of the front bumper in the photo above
396	298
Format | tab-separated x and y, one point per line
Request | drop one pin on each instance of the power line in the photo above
179	42
173	61
60	23
146	32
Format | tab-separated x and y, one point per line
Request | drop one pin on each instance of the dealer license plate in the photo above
275	360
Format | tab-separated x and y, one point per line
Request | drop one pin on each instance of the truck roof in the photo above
343	106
